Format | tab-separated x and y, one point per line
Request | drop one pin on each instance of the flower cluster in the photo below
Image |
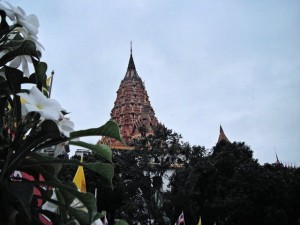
48	108
16	38
30	121
25	27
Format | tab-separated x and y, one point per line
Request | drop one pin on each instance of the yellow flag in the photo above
199	223
79	179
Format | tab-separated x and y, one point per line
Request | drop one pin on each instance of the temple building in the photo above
132	109
222	136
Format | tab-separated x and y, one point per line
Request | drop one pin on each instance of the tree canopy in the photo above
224	185
230	187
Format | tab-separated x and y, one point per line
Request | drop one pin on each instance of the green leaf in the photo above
46	196
20	195
87	199
27	48
4	88
15	42
14	79
104	169
39	77
110	129
80	215
40	67
100	149
55	218
43	160
62	209
49	130
36	160
4	25
68	197
40	73
121	222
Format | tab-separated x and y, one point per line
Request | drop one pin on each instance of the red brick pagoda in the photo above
132	109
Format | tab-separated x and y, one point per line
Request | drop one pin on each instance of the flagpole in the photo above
50	88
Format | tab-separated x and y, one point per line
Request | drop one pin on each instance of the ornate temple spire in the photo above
222	136
132	109
131	70
131	65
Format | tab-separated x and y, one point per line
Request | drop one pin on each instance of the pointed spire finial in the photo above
222	136
221	129
131	62
277	160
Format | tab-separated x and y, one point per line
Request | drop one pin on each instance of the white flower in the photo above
65	126
35	101
29	30
24	60
18	15
9	12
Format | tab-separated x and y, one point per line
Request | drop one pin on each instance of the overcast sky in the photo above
204	63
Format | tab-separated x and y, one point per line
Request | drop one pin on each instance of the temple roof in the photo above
222	136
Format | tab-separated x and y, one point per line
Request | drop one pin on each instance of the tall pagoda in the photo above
132	109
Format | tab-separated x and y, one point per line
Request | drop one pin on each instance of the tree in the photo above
137	194
228	186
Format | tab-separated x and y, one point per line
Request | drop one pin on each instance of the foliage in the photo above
225	185
29	122
137	195
140	174
230	187
95	182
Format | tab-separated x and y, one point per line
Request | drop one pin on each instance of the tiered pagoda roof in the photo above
222	136
132	109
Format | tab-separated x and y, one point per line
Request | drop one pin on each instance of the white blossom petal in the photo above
16	62
65	126
25	66
35	101
31	23
9	12
37	97
49	113
22	60
21	10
